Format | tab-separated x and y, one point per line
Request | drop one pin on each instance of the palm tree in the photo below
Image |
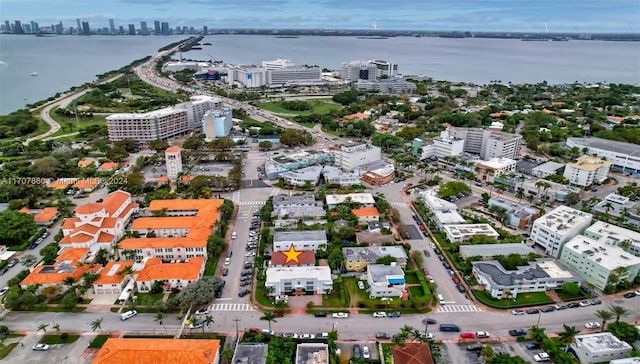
208	320
605	316
619	311
487	352
269	317
568	334
56	326
43	327
227	354
96	324
159	317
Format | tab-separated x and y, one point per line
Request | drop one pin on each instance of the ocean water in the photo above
66	61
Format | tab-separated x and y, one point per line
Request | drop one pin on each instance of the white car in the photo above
306	336
428	335
541	357
430	279
290	335
250	254
517	312
202	311
585	303
40	347
592	325
340	315
482	334
379	314
4	290
360	285
366	354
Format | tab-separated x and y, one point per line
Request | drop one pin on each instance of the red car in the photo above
455	280
467	335
255	330
422	227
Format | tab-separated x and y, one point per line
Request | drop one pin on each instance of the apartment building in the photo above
385	280
358	70
601	347
366	214
391	86
624	157
463	232
493	168
68	264
442	212
111	279
366	199
217	123
175	274
587	170
608	233
596	260
181	234
301	240
289	76
98	225
350	157
312	353
519	216
552	230
488	143
357	258
286	201
297	280
538	276
617	206
443	146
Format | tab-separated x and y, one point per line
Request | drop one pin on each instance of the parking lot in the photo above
346	350
159	169
61	354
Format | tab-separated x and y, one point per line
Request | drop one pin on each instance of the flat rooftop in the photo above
607	144
610	233
363	198
488	250
549	167
605	255
589	163
276	274
312	353
250	353
562	219
470	230
372	253
436	203
306	199
380	272
292	236
601	342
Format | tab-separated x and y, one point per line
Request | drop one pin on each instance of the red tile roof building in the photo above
159	351
412	353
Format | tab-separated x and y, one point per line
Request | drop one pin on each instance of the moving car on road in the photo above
592	325
40	347
482	334
467	335
517	332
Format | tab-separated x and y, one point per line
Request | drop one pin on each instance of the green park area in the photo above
301	107
521	300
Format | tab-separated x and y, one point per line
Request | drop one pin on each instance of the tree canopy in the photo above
16	227
199	292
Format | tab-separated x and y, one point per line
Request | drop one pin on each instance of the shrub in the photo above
64	336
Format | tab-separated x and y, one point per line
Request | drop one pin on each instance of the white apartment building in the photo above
294	76
359	70
488	143
249	77
385	68
365	199
301	240
385	280
392	86
350	157
217	123
552	230
443	212
277	64
161	124
596	261
611	234
463	232
601	347
490	169
538	276
287	280
306	200
587	170
444	146
624	157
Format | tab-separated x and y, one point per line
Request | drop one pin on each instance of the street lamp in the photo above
539	316
426	326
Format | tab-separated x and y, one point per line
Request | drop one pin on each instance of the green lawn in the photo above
70	124
148	298
6	349
57	339
411	278
210	267
318	107
569	297
98	341
522	300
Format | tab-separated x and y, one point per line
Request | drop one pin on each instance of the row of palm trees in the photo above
614	310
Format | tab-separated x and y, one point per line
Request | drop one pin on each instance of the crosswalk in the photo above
231	307
458	308
399	204
250	203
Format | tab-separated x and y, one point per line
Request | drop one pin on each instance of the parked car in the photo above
548	309
12	263
250	254
573	305
291	335
3	271
4	290
202	311
245	283
426	253
517	312
467	335
532	346
379	314
592	325
482	334
595	302
243	293
366	354
474	347
322	335
428	335
306	336
541	357
40	347
394	314
197	325
320	314
517	332
225	271
533	311
626	295
561	306
360	284
585	303
357	352
382	335
461	288
429	321
340	315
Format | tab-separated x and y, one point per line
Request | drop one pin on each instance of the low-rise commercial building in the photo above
442	212
601	347
301	240
335	176
610	234
357	258
312	353
538	276
488	251
351	157
546	169
624	157
597	262
377	173
385	280
366	199
518	216
490	169
587	170
464	232
286	201
625	210
160	351
552	230
298	280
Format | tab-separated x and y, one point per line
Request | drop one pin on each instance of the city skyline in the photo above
486	15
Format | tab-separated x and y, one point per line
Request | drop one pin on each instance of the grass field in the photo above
6	349
318	107
70	124
522	300
57	339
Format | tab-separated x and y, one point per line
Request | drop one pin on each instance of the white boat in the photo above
34	74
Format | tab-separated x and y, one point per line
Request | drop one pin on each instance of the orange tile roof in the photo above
89	208
153	243
80	238
412	353
114	200
87	228
158	351
86	183
172	150
358	115
366	211
107	166
162	179
105	238
306	257
109	274
165	222
46	215
186	179
87	162
24	210
127	209
109	222
155	270
70	223
56	276
62	183
184	204
73	254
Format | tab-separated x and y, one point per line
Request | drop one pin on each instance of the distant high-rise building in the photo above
121	29
156	27
34	27
359	70
7	26
205	30
79	29
112	26
85	28
132	29
143	28
165	28
27	28
17	28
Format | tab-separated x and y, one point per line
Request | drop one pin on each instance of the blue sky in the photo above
490	15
